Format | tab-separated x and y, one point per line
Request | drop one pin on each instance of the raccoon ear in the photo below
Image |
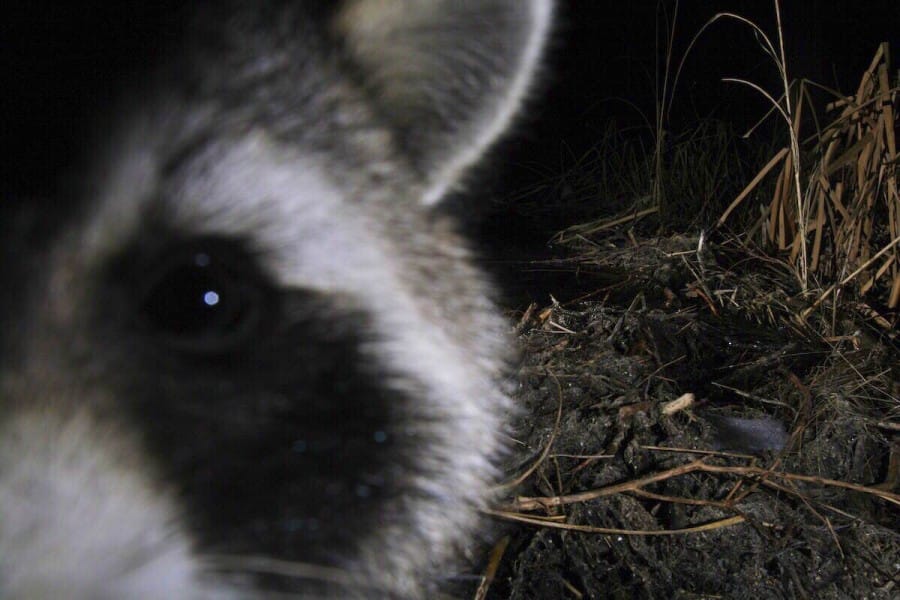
448	74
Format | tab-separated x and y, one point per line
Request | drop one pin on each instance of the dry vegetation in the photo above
718	415
687	437
842	224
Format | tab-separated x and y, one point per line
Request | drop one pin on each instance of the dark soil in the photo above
772	399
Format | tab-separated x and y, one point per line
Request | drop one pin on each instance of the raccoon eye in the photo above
204	298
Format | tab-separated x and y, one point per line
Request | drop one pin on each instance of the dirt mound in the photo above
684	437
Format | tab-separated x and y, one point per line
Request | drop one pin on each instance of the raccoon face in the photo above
251	359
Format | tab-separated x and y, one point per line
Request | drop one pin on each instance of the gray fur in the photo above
324	140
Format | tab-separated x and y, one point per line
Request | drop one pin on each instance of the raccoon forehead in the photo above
313	223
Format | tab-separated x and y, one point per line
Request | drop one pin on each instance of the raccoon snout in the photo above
79	520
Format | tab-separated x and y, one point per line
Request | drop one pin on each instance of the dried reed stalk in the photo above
850	204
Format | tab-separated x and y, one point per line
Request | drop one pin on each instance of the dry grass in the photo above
831	205
623	175
789	319
842	229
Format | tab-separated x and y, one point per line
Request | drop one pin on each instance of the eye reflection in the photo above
211	298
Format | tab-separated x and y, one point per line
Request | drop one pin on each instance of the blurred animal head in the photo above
252	358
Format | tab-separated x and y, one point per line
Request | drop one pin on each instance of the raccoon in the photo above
253	358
